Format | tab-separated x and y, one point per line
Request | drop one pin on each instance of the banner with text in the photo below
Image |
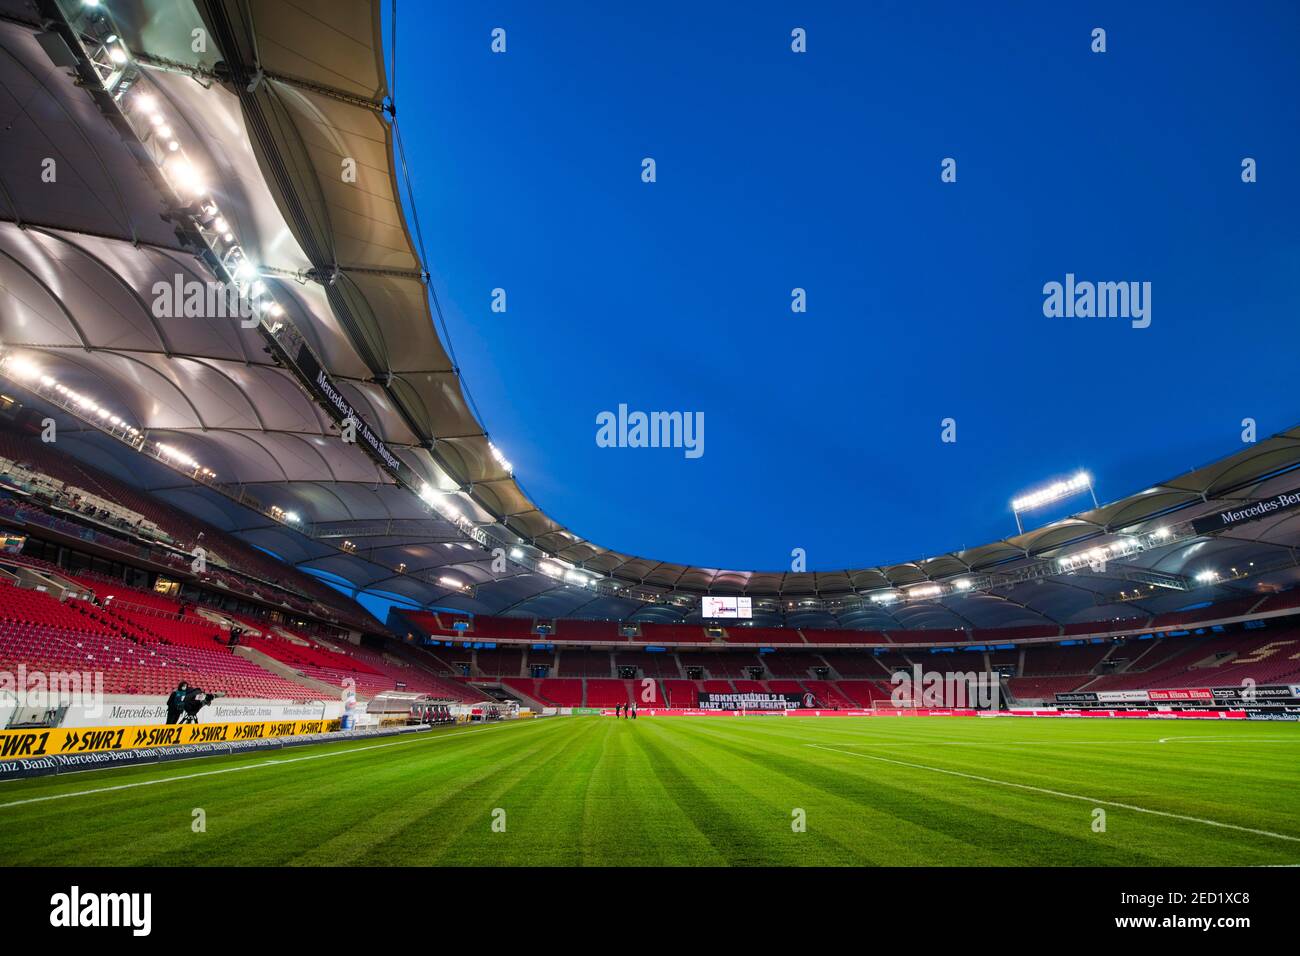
754	701
1242	693
46	741
328	392
1264	508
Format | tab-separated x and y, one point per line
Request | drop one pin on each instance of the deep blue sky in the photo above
821	170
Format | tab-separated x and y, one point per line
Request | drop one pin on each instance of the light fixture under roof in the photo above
23	368
501	458
185	177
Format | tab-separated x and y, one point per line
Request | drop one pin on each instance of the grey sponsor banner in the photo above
1103	697
1122	696
115	711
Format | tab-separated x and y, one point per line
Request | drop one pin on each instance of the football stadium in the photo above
272	595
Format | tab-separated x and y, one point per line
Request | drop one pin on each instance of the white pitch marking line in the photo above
931	742
1064	743
1067	796
253	766
1269	740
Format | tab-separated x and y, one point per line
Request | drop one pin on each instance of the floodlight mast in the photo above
1054	492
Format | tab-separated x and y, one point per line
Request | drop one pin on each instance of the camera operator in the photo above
195	701
176	702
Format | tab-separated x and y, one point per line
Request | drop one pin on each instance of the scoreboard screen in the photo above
730	607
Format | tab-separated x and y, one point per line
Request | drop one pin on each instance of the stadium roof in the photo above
269	114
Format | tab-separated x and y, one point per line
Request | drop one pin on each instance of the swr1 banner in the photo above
48	741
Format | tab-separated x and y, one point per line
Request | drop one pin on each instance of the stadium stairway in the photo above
520	687
266	662
44	579
1154	657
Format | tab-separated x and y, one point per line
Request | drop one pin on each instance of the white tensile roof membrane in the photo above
282	94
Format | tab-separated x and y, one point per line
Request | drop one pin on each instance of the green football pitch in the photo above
696	791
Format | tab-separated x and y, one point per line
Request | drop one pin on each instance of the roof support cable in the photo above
392	75
252	39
